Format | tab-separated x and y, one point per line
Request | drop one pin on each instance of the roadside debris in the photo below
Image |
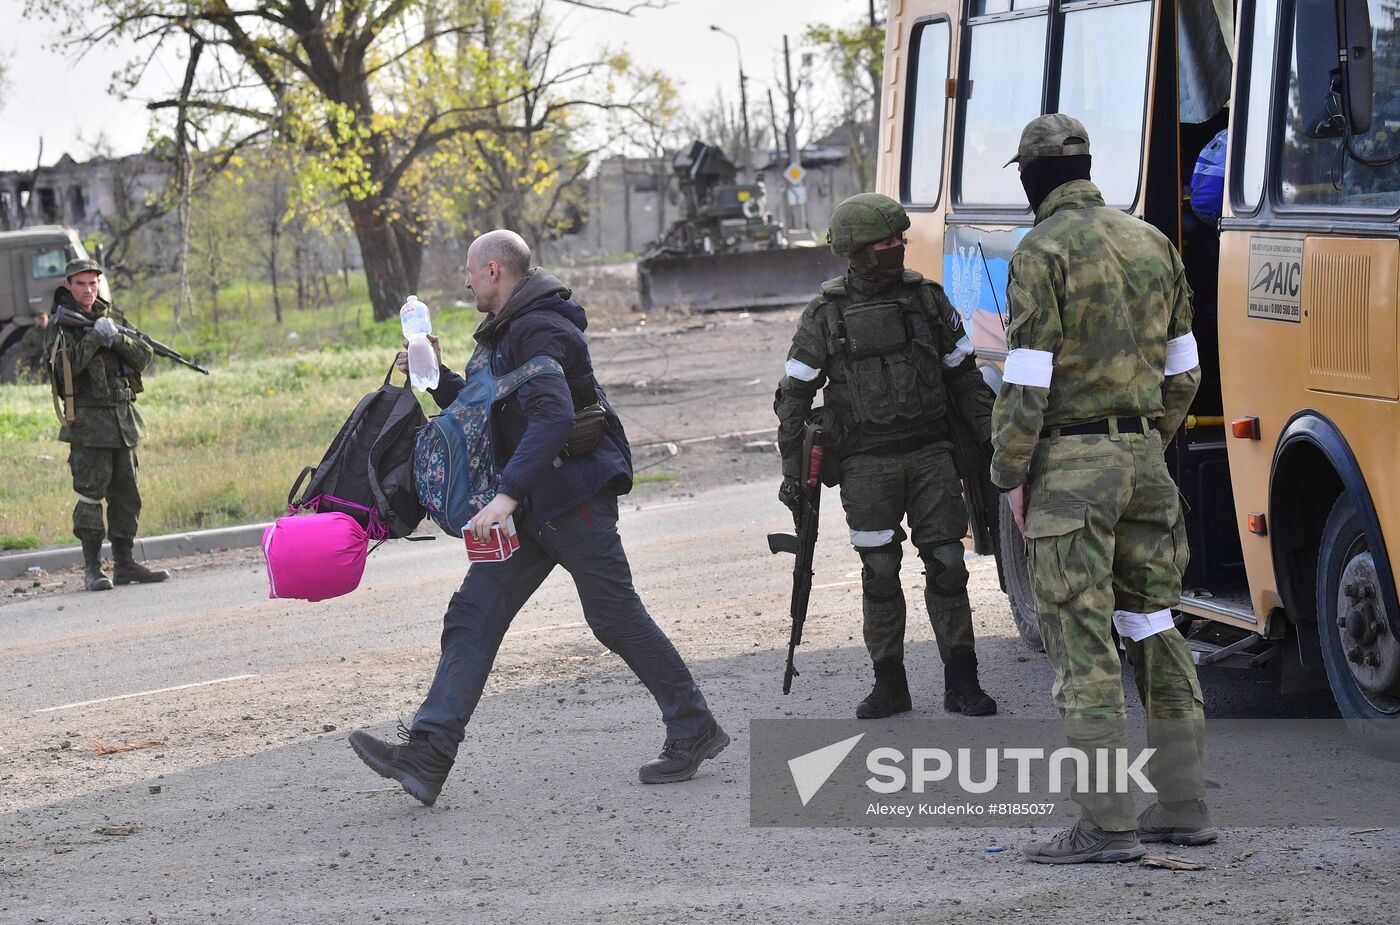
102	748
1171	863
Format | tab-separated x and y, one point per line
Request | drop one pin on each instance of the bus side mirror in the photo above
1334	77
1356	54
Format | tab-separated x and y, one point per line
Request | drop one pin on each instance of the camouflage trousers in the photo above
105	473
1107	549
877	492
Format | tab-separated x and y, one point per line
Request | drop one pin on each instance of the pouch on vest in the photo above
454	460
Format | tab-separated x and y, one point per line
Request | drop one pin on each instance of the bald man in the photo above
564	501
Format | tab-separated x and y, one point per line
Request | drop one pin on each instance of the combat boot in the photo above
94	579
889	696
418	767
128	570
962	692
1184	823
1086	843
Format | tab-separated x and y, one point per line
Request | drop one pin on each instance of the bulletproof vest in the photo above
885	374
107	380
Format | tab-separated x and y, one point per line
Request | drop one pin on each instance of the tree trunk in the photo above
392	256
272	254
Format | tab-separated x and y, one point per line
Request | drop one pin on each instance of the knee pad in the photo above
945	568
880	572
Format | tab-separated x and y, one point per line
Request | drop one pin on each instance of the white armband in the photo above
1029	367
796	369
871	539
1182	355
961	351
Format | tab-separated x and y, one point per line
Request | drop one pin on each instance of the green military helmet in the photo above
862	220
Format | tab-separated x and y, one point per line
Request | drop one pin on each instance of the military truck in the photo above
31	267
727	252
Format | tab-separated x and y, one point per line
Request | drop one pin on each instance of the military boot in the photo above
680	758
1086	843
418	767
94	579
128	570
962	692
1184	823
889	696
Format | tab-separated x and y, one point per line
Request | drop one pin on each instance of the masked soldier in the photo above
1101	371
96	378
890	352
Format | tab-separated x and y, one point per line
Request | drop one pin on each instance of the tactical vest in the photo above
104	382
885	373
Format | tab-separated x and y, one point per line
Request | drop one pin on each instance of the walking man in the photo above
565	508
1101	371
889	353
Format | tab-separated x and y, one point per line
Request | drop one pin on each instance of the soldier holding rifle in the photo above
896	368
96	366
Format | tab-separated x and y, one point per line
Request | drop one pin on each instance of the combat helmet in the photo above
862	220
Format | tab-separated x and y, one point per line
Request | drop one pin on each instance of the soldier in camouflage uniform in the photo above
96	377
1101	371
890	350
32	351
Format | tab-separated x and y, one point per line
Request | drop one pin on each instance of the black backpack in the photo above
368	470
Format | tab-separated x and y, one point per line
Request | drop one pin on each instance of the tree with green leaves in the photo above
375	103
855	55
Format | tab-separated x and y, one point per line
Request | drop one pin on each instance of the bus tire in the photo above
1017	570
1360	651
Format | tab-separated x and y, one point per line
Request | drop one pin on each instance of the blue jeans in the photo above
586	543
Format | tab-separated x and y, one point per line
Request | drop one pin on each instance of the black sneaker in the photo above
1185	823
1086	843
415	764
680	758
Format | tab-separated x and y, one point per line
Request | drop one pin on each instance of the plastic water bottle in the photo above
422	361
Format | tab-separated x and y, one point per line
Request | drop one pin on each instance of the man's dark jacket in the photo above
531	426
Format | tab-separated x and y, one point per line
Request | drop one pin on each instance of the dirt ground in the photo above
242	803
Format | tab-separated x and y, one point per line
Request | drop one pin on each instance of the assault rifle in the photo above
66	317
803	543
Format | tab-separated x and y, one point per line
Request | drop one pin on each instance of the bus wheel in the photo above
1017	570
1359	650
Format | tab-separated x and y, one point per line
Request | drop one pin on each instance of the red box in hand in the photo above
499	545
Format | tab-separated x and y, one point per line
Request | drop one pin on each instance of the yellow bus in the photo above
1290	463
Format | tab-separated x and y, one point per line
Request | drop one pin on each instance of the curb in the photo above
17	564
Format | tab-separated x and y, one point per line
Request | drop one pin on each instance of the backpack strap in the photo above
530	369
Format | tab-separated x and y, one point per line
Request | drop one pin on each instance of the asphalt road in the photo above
264	814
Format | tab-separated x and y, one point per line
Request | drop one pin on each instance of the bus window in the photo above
1103	83
1005	76
1256	112
993	7
1313	172
927	116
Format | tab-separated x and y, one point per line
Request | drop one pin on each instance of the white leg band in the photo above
870	539
86	500
1029	367
1138	626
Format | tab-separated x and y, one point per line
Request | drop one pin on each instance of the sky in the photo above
67	103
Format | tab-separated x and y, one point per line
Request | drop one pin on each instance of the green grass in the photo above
244	327
641	477
220	450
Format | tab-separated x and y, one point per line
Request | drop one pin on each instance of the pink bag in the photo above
314	556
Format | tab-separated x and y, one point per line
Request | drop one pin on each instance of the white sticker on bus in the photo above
1276	278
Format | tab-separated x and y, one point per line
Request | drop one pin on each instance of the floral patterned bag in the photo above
454	462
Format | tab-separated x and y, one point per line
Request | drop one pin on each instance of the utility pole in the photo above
747	153
796	194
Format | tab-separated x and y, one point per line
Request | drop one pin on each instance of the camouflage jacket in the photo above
883	393
1100	327
105	379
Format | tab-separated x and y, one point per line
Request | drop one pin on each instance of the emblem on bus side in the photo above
1276	278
